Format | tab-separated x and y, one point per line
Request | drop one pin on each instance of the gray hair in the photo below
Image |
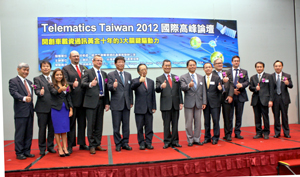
23	65
216	60
96	56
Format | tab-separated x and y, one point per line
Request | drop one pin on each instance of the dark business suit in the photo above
170	98
94	104
226	107
43	111
260	101
121	99
238	100
144	104
77	95
281	104
23	115
212	108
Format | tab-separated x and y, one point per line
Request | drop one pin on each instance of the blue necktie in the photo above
236	77
100	83
122	78
195	83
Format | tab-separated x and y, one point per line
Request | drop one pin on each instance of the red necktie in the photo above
145	84
78	71
169	80
27	89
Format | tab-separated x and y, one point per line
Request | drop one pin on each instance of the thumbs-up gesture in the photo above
115	83
142	79
64	88
258	87
220	86
75	84
191	84
225	79
94	82
42	92
163	85
239	85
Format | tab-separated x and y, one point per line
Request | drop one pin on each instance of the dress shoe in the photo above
42	153
176	145
149	146
228	138
190	144
99	148
92	150
287	136
118	148
51	150
215	142
127	147
206	141
266	137
21	157
84	147
70	150
239	137
257	136
166	146
277	136
29	155
198	143
142	147
224	137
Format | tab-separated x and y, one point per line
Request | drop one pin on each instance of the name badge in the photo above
267	81
212	83
200	83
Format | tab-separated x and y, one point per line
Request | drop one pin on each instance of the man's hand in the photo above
131	105
94	82
220	86
236	92
107	107
286	82
142	79
180	106
203	106
115	84
75	84
42	92
225	79
153	110
258	87
229	99
270	103
28	99
191	84
163	85
239	85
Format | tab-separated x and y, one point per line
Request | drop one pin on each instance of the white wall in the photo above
265	33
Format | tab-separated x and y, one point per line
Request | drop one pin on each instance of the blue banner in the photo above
139	40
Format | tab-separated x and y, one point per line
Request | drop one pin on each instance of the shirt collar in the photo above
236	68
97	69
22	79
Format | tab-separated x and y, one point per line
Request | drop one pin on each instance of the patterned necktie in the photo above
27	89
207	82
259	78
236	77
78	71
169	80
278	85
122	78
194	80
48	79
100	83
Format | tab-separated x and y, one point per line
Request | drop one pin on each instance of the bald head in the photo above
74	57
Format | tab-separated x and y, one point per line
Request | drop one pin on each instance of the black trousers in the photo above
144	120
118	118
95	124
44	122
79	115
23	134
279	106
213	113
226	109
170	118
260	110
237	107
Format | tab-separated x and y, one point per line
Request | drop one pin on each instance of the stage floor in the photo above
82	158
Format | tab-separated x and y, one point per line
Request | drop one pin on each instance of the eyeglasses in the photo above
218	63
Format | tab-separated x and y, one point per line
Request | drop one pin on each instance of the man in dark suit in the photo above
43	108
170	103
194	102
261	84
145	106
213	91
226	97
282	81
119	85
20	89
73	73
240	83
96	99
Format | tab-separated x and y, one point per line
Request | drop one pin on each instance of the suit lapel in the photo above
22	85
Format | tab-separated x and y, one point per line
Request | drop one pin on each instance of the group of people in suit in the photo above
77	93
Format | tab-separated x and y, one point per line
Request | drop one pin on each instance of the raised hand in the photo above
220	86
142	79
64	88
42	92
239	85
191	84
75	84
258	87
225	79
115	83
286	82
94	82
163	85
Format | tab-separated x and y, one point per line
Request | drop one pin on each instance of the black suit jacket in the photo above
284	91
57	99
91	96
18	91
213	93
71	74
229	88
266	92
122	94
144	97
43	102
169	96
244	81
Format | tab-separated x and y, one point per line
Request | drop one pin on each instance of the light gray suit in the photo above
193	101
